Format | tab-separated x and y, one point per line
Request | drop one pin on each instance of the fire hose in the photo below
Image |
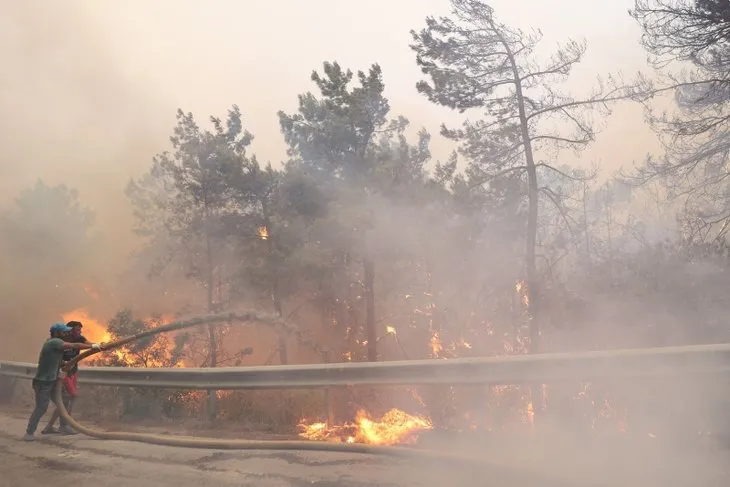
221	443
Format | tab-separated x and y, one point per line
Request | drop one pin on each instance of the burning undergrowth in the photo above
484	409
475	410
157	351
394	427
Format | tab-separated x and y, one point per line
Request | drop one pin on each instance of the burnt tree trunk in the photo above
372	335
212	402
276	298
532	215
275	284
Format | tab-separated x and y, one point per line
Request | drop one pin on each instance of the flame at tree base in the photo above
394	427
159	354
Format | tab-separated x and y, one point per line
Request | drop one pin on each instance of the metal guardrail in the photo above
652	362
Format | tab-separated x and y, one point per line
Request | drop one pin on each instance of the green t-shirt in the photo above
49	360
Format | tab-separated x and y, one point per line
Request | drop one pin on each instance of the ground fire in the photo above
504	406
263	233
394	427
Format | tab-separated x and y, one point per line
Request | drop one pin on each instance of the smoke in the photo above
71	116
637	290
77	112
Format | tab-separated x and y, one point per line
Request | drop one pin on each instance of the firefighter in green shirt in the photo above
49	363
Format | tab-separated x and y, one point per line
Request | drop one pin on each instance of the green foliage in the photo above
187	192
349	161
332	134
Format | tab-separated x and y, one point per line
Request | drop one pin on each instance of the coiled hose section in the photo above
220	443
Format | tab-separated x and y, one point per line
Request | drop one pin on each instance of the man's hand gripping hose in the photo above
220	443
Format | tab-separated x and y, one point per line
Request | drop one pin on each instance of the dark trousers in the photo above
68	402
43	395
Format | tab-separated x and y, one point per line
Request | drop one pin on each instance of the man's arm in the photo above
81	346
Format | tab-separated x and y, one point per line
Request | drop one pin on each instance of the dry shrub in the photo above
274	411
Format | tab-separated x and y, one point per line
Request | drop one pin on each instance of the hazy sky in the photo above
89	88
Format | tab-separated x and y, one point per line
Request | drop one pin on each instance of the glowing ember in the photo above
390	330
521	289
263	233
530	414
436	346
395	427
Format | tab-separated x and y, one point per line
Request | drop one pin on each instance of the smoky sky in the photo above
89	89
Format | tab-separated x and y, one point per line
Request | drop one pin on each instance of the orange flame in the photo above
96	332
394	427
263	233
93	330
521	289
436	346
530	414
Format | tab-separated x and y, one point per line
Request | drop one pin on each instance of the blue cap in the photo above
60	328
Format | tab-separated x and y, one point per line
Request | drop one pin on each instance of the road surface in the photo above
72	461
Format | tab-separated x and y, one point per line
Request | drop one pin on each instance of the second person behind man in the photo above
70	384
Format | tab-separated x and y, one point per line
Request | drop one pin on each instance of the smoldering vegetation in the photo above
371	250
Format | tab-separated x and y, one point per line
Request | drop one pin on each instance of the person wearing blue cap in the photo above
70	385
49	363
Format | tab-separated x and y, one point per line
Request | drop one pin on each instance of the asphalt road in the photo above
67	461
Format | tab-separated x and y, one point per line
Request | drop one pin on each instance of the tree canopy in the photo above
694	134
367	248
